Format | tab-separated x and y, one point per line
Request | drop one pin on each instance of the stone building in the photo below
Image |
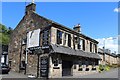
61	51
107	57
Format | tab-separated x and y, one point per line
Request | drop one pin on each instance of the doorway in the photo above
67	68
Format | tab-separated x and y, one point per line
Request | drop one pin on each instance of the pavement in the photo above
113	73
13	75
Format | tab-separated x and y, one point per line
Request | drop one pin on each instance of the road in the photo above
113	73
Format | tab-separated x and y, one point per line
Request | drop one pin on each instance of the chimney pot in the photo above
77	28
30	7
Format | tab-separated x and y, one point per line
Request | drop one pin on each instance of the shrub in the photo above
106	68
103	68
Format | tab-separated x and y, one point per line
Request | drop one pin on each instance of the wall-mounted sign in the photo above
33	38
45	38
44	66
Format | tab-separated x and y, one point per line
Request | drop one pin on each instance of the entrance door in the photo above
67	68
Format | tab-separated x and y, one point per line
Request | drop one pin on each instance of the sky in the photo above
98	20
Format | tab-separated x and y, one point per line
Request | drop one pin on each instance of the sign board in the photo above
44	66
33	38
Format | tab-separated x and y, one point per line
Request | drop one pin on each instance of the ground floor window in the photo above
55	61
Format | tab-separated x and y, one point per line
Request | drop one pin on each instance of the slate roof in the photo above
101	51
70	51
62	26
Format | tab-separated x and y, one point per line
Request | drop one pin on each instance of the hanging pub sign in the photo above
44	66
45	41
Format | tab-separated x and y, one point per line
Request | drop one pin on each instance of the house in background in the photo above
4	54
44	48
107	57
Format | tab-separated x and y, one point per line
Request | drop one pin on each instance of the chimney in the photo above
30	7
77	28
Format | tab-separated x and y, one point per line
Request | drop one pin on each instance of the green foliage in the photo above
107	68
103	68
5	34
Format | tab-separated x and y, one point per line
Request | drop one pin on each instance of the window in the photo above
79	45
65	38
95	48
83	44
80	63
24	41
90	47
93	62
74	42
96	62
69	40
55	61
45	40
86	62
59	37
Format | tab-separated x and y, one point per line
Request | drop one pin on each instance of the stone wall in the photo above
30	21
54	40
55	71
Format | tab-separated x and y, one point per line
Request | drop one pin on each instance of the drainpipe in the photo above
20	56
26	61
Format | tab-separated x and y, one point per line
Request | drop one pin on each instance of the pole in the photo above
26	60
20	56
38	66
104	53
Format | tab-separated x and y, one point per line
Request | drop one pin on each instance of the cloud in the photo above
117	10
109	43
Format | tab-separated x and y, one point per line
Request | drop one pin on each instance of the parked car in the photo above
5	68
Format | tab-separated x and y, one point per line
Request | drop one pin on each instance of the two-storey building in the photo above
107	57
43	47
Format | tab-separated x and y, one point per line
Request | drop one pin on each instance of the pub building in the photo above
44	48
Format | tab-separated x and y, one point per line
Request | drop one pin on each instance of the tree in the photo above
5	34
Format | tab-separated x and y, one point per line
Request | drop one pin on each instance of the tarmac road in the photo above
113	73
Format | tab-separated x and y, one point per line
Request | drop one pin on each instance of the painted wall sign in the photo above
33	38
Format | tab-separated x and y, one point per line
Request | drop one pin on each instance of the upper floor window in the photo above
45	39
90	47
83	44
69	40
95	48
65	38
24	41
59	37
79	43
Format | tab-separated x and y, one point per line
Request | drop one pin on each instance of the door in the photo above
67	68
